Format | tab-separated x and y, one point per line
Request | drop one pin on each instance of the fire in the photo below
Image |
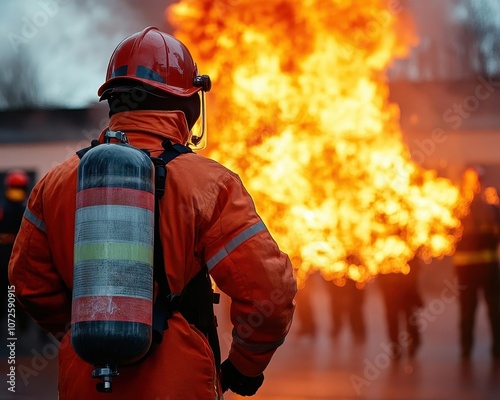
299	109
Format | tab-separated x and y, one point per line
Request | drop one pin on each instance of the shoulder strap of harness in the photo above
195	303
80	153
166	302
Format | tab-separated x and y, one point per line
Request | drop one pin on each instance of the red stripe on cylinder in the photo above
115	196
111	308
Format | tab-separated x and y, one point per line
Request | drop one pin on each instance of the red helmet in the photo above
16	179
157	60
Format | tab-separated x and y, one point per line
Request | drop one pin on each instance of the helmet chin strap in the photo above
198	142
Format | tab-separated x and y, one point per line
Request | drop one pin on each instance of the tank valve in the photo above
105	374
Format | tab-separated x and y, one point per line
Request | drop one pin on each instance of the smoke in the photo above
486	23
458	39
55	52
65	45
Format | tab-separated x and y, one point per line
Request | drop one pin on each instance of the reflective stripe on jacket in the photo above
462	258
481	229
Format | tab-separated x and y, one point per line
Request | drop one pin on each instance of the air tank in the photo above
111	320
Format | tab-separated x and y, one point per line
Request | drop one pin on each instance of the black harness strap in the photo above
166	302
195	303
82	152
196	306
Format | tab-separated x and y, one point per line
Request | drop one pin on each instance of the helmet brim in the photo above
120	85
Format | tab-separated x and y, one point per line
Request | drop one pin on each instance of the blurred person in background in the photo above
402	301
207	222
12	207
347	302
305	308
476	262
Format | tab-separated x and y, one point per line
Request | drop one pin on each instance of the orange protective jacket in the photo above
211	221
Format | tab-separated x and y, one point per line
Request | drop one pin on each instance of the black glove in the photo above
240	384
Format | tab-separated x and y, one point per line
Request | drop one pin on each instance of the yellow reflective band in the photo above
113	251
474	257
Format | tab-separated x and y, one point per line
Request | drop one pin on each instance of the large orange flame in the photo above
299	109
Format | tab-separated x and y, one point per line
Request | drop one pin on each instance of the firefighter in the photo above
11	213
347	302
206	218
305	308
402	302
476	264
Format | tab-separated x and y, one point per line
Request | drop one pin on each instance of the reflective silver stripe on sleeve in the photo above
243	236
35	220
257	347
